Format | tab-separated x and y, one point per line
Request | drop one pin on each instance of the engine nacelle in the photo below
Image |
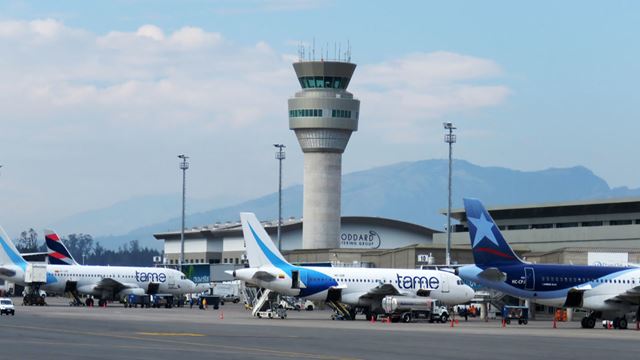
126	292
88	290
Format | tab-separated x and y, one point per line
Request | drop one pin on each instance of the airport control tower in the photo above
323	116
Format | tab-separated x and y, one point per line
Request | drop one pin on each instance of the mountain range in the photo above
410	191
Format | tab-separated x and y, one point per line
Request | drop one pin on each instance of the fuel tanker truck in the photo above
408	309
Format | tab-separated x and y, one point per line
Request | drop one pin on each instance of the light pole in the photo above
280	155
184	165
449	138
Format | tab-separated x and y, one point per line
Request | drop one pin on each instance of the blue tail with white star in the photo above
488	245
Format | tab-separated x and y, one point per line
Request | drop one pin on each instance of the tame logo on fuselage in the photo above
150	277
418	282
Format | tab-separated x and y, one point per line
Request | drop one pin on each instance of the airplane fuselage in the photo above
550	284
87	278
314	283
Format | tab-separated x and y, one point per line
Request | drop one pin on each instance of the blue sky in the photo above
102	95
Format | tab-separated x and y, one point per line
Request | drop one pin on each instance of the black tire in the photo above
590	322
309	308
508	321
406	317
236	301
444	318
583	322
525	321
519	321
622	324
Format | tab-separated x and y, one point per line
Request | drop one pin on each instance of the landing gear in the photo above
352	313
588	322
620	323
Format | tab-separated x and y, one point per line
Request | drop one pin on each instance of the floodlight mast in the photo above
280	155
184	165
449	138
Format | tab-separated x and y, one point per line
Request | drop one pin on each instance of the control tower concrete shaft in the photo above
323	116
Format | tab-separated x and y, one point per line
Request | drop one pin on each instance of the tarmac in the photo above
58	331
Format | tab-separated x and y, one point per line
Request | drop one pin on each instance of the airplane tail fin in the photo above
9	255
261	251
57	253
487	243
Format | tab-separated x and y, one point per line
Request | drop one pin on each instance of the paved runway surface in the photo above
62	332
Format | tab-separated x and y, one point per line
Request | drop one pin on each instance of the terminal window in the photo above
620	222
567	225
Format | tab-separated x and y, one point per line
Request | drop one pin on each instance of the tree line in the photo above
85	251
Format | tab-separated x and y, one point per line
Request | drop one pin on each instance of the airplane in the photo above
362	289
104	282
608	292
57	253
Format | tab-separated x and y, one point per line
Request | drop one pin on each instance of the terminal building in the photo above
362	241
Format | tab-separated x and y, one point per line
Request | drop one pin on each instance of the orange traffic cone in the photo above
504	323
221	315
373	319
451	322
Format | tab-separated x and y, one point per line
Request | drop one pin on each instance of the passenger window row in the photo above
581	280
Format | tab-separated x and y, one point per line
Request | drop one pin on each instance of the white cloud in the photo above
151	31
398	95
104	112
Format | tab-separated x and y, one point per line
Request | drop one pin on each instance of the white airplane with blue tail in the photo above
361	289
103	282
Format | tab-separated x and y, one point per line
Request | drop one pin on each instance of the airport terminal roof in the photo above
556	209
235	228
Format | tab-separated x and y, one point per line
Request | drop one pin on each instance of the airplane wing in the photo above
631	296
109	284
381	291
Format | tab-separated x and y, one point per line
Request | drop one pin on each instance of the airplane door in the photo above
298	279
295	279
445	285
529	279
171	281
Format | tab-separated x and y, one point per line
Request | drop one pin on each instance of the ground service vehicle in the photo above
520	313
407	309
6	307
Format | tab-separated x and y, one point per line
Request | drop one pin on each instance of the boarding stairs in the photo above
76	298
341	310
248	295
265	300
